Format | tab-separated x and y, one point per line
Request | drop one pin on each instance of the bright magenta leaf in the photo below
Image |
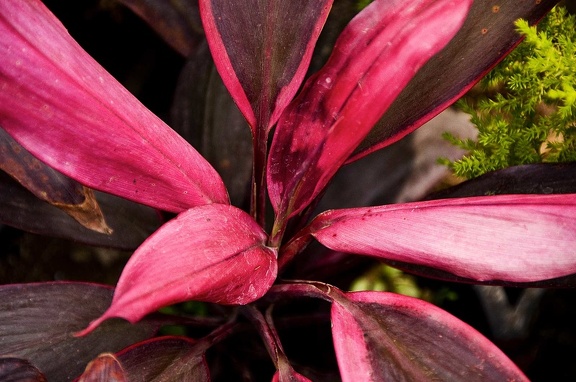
62	106
381	336
214	253
262	49
374	58
516	238
486	37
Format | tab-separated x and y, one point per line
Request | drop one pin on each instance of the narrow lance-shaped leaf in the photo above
516	238
262	49
63	107
214	253
51	186
381	336
485	38
374	58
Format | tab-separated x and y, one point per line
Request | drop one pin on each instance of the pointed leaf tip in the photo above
63	107
214	253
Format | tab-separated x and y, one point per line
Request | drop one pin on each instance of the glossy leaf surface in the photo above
381	336
485	38
214	253
37	322
50	185
517	238
374	58
262	49
63	107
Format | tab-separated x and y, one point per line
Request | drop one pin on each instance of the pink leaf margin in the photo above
354	357
517	238
62	106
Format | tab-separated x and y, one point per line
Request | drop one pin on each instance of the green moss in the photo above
526	110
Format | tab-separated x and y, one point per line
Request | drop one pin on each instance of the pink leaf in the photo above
262	49
214	253
374	58
518	238
62	106
381	336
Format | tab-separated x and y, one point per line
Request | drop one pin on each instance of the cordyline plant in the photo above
379	84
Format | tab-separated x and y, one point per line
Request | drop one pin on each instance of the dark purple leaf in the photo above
131	223
485	38
165	359
374	58
37	323
516	238
214	253
177	21
262	49
204	113
50	185
19	370
381	336
541	178
63	107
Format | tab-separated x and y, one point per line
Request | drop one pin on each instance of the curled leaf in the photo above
213	253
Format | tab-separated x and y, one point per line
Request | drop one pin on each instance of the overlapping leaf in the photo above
58	103
374	58
37	322
485	38
262	49
382	336
214	253
50	185
166	359
19	370
516	238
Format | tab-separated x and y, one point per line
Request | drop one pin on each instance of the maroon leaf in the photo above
50	185
485	38
178	22
37	322
131	223
214	253
64	108
517	238
374	58
166	359
19	370
105	368
262	49
381	336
